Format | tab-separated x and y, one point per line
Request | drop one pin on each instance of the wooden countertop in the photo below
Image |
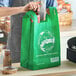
69	30
69	27
65	68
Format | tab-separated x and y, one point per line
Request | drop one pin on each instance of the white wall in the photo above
65	36
73	7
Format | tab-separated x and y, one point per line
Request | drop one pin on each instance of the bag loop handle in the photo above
32	15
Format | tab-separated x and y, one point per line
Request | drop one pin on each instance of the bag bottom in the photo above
38	67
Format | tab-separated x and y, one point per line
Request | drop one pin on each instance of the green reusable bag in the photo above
40	42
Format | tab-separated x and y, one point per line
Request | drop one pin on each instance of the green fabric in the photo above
40	42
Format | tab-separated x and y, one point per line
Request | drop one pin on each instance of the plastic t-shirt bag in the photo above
40	42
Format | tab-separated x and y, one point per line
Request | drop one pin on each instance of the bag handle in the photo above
32	16
53	12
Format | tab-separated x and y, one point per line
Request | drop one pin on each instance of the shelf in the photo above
66	67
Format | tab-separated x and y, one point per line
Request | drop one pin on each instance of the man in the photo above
14	37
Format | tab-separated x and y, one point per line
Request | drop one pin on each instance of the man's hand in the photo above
32	6
7	11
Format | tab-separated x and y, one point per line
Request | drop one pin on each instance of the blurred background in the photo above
67	23
73	7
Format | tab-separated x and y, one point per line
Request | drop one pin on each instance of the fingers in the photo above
38	2
38	8
34	5
31	6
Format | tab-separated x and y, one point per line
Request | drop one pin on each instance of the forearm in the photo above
7	11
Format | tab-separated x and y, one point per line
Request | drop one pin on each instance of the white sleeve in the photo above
55	3
4	3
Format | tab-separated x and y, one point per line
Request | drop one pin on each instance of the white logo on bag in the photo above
45	39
